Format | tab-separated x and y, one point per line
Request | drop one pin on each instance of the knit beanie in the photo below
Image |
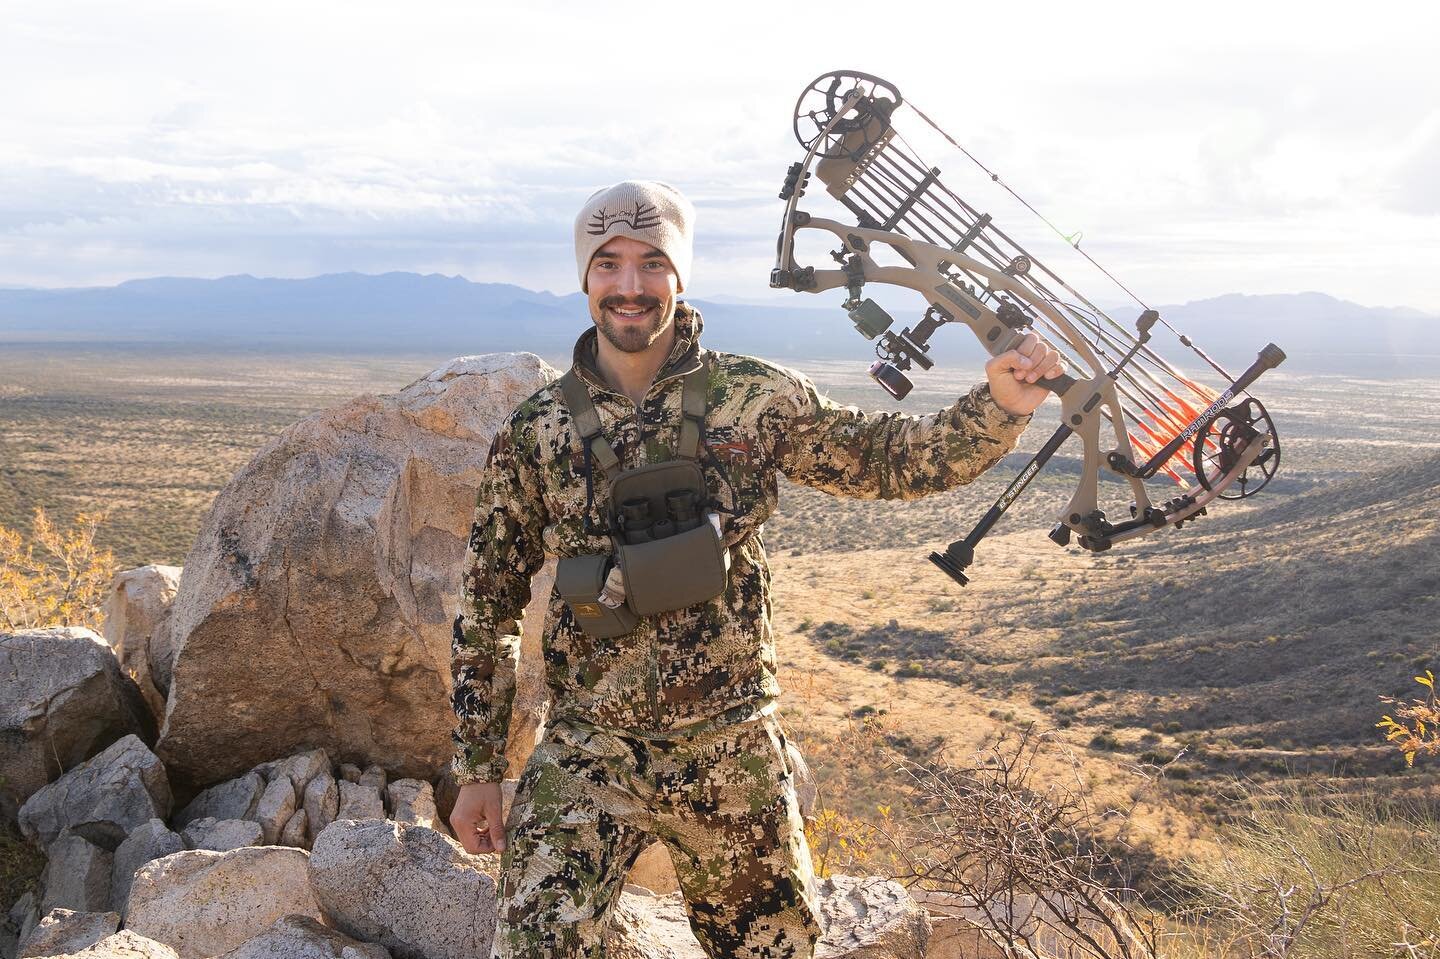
645	210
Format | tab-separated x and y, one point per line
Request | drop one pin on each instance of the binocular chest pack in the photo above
668	550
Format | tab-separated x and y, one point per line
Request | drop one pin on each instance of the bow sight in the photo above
971	272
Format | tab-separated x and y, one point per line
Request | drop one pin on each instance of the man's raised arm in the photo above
843	450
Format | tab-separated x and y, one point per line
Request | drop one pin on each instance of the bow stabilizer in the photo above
970	272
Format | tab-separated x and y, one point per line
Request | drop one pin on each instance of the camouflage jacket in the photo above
711	663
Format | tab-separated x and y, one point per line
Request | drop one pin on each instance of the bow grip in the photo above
1057	384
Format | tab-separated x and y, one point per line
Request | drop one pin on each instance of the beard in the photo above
632	337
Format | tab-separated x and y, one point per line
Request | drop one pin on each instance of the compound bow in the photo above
969	271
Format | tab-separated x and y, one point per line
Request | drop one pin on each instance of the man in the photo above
669	732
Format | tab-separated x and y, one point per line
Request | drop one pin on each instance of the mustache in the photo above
642	301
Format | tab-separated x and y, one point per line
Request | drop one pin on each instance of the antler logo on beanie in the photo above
645	210
639	217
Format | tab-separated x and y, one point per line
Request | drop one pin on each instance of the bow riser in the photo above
1084	403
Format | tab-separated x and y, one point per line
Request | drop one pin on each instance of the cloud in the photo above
1413	184
168	137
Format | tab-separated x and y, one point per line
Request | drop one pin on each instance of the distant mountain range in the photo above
411	313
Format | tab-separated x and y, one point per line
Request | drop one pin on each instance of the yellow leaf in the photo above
1427	680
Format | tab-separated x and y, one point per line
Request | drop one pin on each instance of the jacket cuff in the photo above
999	422
465	772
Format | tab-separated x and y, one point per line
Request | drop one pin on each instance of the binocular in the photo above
638	524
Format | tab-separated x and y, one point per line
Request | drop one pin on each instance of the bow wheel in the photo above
1222	441
823	100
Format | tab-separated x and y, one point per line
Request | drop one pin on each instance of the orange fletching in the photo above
1147	452
1201	390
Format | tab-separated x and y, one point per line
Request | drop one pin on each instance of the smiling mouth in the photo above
630	312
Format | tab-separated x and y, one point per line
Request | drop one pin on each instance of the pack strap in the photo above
694	403
587	421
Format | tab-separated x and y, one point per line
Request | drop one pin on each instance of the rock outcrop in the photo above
77	875
146	843
861	918
138	600
302	670
66	699
122	787
20	921
315	608
235	798
222	835
407	887
125	944
65	930
203	903
301	937
870	918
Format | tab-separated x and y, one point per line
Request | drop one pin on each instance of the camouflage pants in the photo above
723	802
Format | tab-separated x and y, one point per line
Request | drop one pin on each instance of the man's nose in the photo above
629	279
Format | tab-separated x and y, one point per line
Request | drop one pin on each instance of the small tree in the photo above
58	578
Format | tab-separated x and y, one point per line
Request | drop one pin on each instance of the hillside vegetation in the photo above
1255	642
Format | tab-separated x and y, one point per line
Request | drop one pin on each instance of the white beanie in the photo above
645	210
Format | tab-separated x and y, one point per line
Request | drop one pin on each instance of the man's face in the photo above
632	289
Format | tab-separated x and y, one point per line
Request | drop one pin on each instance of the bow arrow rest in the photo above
969	271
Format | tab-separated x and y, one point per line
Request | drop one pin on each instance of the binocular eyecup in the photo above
638	523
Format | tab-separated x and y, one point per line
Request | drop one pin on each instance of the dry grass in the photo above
1317	874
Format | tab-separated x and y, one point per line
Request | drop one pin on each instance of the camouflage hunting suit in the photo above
661	732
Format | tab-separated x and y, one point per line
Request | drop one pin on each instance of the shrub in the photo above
1106	741
841	843
1417	731
60	578
998	832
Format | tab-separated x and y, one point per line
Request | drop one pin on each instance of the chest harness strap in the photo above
694	403
671	555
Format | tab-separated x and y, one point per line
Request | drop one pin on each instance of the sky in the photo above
1201	149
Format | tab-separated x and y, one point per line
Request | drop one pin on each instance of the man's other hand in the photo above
478	819
1013	375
